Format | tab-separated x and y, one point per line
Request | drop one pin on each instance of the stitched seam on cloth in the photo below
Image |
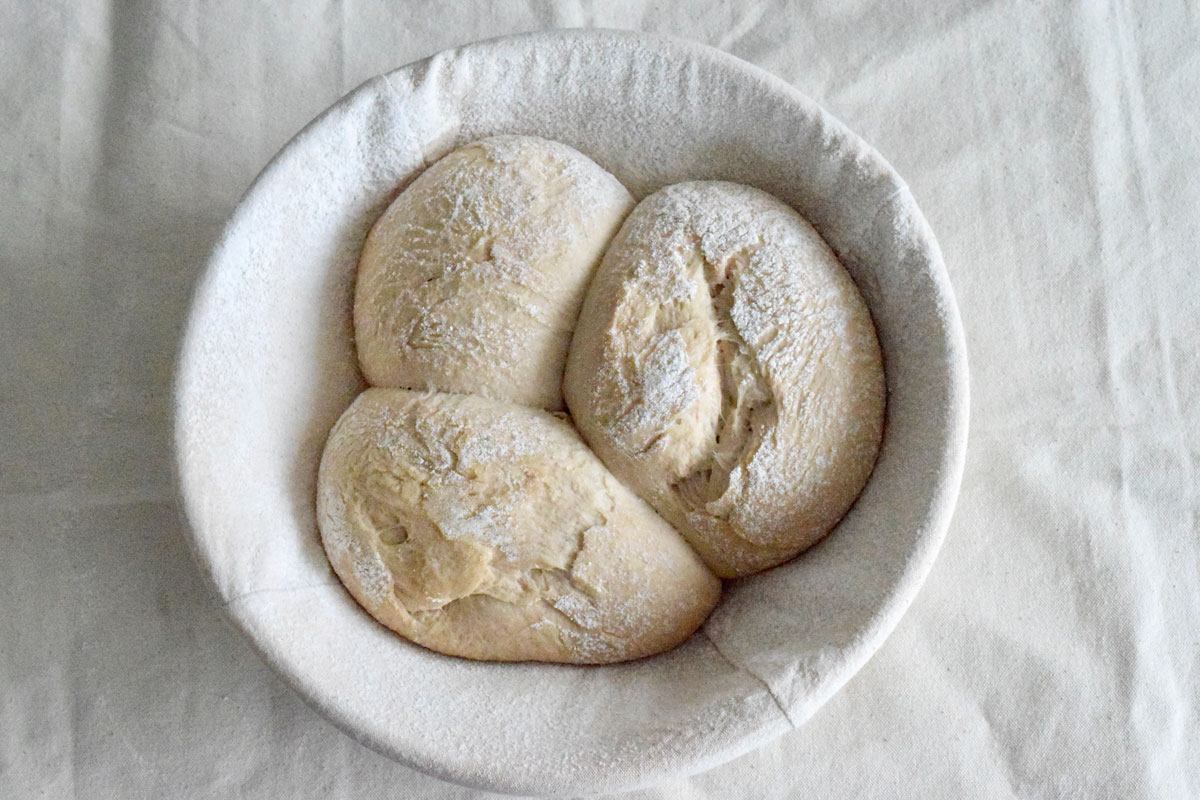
885	202
770	692
409	136
395	92
277	589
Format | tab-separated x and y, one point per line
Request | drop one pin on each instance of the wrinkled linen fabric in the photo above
1054	149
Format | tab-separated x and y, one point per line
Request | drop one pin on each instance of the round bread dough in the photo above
489	530
726	368
472	279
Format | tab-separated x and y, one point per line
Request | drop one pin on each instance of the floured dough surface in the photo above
726	368
472	279
489	530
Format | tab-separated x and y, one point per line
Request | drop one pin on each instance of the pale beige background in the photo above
1055	149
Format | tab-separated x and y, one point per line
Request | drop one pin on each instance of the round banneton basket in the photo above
268	364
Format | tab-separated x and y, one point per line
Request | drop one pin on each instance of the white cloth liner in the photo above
267	366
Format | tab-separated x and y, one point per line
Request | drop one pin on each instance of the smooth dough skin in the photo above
472	279
726	368
490	531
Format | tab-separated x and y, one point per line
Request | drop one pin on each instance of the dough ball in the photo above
726	368
490	531
472	279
